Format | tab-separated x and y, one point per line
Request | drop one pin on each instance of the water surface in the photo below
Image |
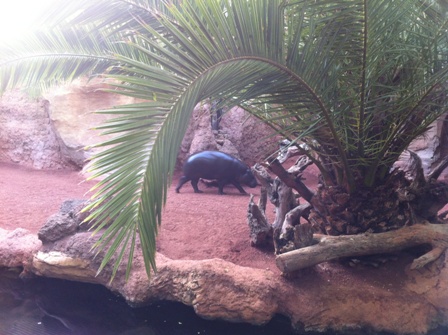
44	306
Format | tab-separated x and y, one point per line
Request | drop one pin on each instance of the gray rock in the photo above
69	220
58	226
17	248
72	207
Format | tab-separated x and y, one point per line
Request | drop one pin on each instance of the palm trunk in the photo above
392	208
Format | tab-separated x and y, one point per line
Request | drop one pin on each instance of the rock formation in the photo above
27	135
53	131
239	135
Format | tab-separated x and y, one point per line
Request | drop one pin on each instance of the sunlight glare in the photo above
16	16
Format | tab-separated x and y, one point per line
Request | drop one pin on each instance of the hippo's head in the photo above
248	179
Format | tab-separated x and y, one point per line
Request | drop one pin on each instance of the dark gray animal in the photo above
215	165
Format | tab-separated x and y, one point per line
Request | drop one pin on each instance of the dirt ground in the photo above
194	226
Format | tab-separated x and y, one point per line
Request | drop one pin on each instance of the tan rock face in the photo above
26	133
72	112
50	132
54	131
432	283
239	135
327	297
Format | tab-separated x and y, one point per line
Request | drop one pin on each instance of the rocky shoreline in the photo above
331	296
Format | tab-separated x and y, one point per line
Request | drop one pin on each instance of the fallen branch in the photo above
289	152
335	247
290	180
293	234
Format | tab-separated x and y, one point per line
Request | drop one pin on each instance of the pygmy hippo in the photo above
215	165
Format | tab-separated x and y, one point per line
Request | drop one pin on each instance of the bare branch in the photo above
290	180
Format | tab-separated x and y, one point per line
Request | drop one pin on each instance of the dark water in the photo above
51	306
45	306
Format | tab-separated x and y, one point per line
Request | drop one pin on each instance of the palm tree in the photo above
356	81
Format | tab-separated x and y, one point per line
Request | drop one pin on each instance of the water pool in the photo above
44	306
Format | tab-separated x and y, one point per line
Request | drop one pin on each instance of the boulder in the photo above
72	112
54	130
66	222
17	248
27	136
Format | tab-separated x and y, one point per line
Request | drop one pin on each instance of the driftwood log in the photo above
335	247
259	227
286	233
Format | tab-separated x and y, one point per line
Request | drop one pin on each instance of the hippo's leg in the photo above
182	181
194	183
221	184
238	186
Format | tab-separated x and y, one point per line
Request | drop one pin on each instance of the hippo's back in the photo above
213	165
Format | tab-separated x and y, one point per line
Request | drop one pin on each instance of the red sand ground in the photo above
194	226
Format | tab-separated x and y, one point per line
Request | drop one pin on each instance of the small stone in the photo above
57	227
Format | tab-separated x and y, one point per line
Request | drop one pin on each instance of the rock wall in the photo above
239	134
72	112
27	135
52	132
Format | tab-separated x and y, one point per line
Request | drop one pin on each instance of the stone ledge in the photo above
319	299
